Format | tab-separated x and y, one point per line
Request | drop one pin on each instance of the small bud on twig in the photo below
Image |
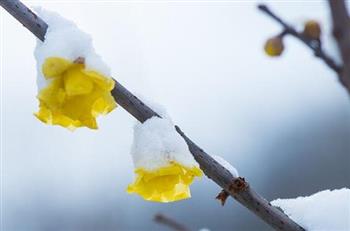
312	30
222	197
274	46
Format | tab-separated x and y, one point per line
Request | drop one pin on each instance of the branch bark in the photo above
238	188
25	16
341	32
316	46
171	223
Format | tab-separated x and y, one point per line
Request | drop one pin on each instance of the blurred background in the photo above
284	123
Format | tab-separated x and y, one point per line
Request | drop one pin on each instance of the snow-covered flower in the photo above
164	166
73	82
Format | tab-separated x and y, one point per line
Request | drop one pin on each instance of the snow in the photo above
156	143
325	210
156	107
64	39
226	165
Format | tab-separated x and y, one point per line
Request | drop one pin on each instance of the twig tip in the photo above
262	7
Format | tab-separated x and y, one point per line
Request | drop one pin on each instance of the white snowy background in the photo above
284	123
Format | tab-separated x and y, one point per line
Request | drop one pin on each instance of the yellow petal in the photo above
55	66
166	184
101	80
53	94
50	117
76	82
103	106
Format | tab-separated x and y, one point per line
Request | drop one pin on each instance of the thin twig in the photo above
169	222
314	45
238	188
341	33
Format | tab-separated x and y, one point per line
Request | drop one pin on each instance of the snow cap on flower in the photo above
164	166
74	86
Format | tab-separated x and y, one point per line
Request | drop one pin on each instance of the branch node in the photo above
222	197
79	60
238	185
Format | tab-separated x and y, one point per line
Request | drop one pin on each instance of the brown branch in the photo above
169	222
238	188
314	44
25	16
341	33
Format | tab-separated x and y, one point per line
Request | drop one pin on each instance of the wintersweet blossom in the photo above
74	84
165	184
164	167
74	96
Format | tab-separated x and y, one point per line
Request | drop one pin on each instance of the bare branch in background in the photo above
238	188
341	32
314	42
169	222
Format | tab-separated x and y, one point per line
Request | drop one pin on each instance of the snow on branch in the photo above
325	210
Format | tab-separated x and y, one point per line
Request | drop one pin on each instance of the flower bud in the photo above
312	29
274	46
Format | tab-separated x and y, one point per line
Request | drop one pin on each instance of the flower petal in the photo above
55	66
76	82
101	80
166	184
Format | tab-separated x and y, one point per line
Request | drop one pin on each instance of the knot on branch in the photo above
222	197
238	185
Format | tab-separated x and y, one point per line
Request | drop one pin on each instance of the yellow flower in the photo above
165	184
74	96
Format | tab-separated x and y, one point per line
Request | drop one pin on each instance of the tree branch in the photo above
171	223
238	188
341	32
25	16
314	45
